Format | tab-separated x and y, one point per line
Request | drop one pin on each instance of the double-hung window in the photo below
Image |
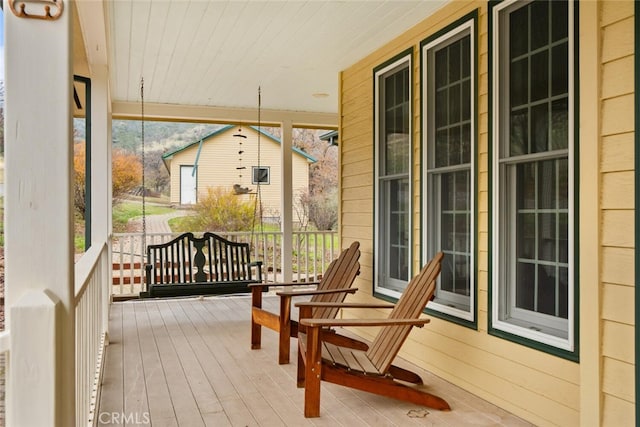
392	212
448	153
533	194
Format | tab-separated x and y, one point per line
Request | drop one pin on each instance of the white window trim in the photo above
511	327
427	189
408	58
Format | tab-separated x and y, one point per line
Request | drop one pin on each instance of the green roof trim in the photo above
224	129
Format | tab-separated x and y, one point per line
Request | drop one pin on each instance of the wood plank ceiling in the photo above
217	53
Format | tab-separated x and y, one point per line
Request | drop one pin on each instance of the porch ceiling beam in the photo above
223	115
92	20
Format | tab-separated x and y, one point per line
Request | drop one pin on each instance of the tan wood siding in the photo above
542	388
618	215
219	160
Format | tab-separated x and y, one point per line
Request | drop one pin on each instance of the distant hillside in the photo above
127	134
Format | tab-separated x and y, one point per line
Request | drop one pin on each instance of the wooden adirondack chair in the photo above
333	287
370	371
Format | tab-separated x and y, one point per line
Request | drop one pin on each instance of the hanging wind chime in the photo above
238	188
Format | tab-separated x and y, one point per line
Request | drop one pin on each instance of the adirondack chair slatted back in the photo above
189	259
340	274
415	297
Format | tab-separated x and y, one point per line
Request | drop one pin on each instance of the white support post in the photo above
101	199
32	379
286	207
39	218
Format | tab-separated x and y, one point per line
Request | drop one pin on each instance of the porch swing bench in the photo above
207	265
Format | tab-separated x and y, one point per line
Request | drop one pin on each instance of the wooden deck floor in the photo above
188	362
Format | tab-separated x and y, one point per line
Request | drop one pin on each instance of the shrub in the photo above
222	210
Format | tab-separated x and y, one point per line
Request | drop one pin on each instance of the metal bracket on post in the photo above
26	12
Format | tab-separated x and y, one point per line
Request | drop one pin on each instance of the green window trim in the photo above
526	333
393	180
460	309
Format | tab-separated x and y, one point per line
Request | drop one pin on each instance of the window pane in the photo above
560	24
563	238
454	146
563	184
442	138
462	233
540	128
525	285
462	190
547	184
559	69
546	298
465	46
547	237
560	124
441	108
519	81
518	25
526	240
519	133
454	62
466	100
539	24
540	76
442	62
563	297
397	153
447	232
446	274
526	189
447	187
465	140
398	236
454	104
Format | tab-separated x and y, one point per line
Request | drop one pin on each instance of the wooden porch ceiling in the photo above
215	54
187	362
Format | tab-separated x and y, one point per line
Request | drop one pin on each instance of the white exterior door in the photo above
188	180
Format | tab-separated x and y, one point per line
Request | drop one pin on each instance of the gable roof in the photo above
170	154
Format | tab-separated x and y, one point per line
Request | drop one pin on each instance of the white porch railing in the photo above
312	253
91	306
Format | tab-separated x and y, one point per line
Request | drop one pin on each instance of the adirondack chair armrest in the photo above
343	304
324	323
298	293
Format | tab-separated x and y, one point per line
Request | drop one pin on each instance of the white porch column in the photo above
286	206
100	155
101	200
39	219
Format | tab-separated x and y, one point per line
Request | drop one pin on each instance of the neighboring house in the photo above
481	134
214	161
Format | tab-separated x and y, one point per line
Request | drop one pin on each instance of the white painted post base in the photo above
31	379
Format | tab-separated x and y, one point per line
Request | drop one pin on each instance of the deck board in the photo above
188	362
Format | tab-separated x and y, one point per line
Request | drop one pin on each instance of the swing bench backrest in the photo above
189	265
